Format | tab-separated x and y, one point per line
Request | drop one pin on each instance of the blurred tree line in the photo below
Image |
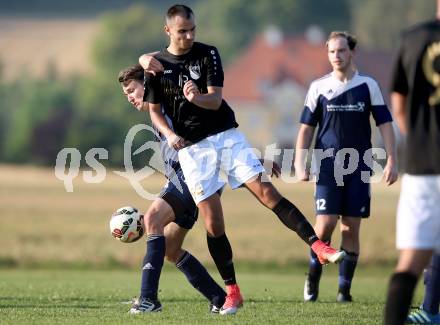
39	117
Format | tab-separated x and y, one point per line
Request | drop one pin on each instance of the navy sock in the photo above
152	266
432	286
293	219
315	268
221	252
200	279
400	293
346	271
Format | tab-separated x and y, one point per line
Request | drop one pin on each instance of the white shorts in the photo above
418	214
226	152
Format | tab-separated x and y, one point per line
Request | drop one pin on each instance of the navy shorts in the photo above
351	200
177	195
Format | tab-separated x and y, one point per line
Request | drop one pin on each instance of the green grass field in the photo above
59	263
97	296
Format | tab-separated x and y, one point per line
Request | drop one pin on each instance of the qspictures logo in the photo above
68	161
345	161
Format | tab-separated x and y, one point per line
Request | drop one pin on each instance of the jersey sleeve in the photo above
399	79
379	109
215	74
153	92
310	114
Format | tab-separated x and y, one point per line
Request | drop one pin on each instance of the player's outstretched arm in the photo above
303	142
159	121
211	100
390	170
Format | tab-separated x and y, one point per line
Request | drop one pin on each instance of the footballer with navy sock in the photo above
168	220
190	92
428	312
340	104
171	216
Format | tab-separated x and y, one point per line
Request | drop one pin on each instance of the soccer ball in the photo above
126	225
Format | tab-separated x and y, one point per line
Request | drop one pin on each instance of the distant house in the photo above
267	84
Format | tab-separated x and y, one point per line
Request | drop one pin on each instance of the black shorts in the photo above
177	195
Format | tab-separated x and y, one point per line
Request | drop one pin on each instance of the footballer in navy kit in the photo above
205	133
340	105
169	218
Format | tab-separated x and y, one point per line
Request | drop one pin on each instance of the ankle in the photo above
344	290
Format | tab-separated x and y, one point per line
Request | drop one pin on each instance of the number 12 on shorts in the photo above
320	204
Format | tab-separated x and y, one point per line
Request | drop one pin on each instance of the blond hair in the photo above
351	39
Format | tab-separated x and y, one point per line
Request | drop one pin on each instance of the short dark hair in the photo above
351	39
179	10
135	72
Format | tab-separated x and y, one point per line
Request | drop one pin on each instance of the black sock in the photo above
400	293
200	279
152	266
293	219
221	252
346	271
315	267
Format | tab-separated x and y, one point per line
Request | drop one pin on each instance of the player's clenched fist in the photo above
150	63
176	142
190	90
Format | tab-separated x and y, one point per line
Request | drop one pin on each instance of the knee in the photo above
173	254
214	225
324	231
413	268
413	260
215	228
268	195
152	223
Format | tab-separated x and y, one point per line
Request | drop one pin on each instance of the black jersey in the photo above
417	76
203	66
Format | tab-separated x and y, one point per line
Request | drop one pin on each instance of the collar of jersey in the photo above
355	75
168	53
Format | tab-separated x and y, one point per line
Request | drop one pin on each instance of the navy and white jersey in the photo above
168	154
341	110
202	65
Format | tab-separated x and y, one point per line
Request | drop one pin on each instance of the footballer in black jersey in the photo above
208	142
167	220
415	100
416	77
202	65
